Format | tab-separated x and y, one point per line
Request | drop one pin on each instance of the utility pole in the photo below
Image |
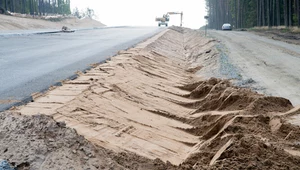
181	15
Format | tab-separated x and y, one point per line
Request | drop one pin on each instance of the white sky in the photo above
143	12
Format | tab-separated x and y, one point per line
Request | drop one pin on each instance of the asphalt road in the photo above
273	65
32	63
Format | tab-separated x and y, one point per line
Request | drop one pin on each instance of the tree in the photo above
249	13
6	4
90	13
298	11
285	9
273	4
290	12
268	13
278	12
12	8
76	13
258	12
37	7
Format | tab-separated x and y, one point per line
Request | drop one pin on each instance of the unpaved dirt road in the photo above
273	65
32	63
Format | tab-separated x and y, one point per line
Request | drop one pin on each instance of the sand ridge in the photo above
20	23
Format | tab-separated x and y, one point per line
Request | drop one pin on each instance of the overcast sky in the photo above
143	12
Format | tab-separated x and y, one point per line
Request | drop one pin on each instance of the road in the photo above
32	63
273	65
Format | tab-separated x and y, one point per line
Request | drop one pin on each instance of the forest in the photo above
37	7
253	13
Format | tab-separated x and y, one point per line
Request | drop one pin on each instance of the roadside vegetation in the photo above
37	7
253	13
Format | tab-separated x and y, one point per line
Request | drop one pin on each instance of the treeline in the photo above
250	13
88	12
37	7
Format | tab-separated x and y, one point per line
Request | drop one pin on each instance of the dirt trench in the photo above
147	108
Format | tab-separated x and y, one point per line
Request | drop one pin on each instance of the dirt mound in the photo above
251	152
39	142
240	141
221	95
20	23
246	152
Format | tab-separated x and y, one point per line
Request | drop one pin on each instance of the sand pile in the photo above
147	103
39	142
216	94
244	140
20	23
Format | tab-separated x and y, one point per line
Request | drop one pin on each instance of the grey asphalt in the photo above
32	63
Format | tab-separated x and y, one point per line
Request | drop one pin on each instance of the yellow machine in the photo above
166	18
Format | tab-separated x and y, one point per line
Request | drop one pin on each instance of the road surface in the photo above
273	65
33	63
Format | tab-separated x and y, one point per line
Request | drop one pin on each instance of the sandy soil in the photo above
266	65
147	104
39	142
280	35
19	23
272	65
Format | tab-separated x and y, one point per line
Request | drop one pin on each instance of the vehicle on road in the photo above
226	26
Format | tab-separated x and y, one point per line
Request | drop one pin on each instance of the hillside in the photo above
20	23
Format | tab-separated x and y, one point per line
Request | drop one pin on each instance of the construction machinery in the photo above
166	18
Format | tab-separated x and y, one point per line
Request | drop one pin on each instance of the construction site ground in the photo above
288	35
157	106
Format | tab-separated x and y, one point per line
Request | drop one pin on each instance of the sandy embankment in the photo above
19	23
148	101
